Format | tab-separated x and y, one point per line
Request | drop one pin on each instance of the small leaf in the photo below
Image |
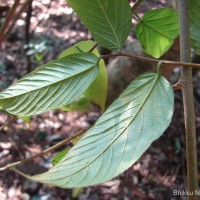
64	152
178	144
157	31
59	156
82	104
76	192
25	118
194	6
121	135
79	47
109	21
50	86
97	91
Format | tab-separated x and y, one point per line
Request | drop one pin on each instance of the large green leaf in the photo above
194	24
109	21
157	30
121	135
55	84
97	91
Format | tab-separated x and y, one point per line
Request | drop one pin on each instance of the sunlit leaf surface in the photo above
109	21
157	30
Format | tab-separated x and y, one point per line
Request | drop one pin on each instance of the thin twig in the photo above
43	152
177	86
8	20
17	16
27	35
135	6
8	123
137	16
151	60
92	49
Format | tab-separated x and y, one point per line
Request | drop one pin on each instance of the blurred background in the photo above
38	30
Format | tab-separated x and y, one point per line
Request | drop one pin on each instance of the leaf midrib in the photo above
140	107
150	27
109	22
93	66
137	112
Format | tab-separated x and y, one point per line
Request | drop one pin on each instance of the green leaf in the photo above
157	30
82	104
79	47
109	21
50	86
25	118
64	152
178	144
194	6
59	156
121	135
97	91
77	192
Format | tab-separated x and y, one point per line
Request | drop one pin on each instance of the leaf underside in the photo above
121	135
157	31
97	91
55	84
194	6
109	21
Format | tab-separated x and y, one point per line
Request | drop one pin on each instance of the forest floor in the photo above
155	176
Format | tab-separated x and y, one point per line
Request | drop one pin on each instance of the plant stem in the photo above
8	123
151	60
8	166
27	35
136	4
137	16
188	99
8	20
16	17
93	48
177	86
